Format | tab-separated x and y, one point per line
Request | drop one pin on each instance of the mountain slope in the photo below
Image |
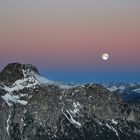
35	108
130	92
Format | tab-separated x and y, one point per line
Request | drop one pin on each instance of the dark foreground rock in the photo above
32	108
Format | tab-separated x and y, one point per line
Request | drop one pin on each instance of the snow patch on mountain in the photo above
7	127
73	113
31	80
71	119
39	79
76	108
137	90
114	122
10	98
112	128
114	88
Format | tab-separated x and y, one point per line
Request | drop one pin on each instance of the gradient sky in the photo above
66	38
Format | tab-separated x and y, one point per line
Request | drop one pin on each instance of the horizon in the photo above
85	77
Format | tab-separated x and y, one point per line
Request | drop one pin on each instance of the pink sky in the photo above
71	34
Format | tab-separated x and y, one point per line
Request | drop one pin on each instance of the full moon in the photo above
105	56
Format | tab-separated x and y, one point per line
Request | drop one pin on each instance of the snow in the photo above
100	122
114	88
73	93
10	98
108	126
64	86
76	90
27	82
60	97
115	131
22	102
112	128
73	112
132	84
137	90
37	78
115	122
71	119
7	128
43	80
30	80
21	84
121	87
76	108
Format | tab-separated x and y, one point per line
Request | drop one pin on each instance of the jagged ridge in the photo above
36	110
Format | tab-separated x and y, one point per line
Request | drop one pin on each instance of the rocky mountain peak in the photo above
15	71
35	108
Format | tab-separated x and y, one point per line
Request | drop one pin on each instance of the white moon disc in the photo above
105	56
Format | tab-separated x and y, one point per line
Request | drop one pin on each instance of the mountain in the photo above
35	108
130	92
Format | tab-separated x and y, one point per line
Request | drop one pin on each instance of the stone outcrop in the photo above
30	110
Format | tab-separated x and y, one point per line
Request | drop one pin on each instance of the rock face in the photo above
35	108
14	71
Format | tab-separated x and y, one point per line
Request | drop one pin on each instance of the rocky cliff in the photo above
35	108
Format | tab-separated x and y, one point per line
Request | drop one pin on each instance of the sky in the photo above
65	39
